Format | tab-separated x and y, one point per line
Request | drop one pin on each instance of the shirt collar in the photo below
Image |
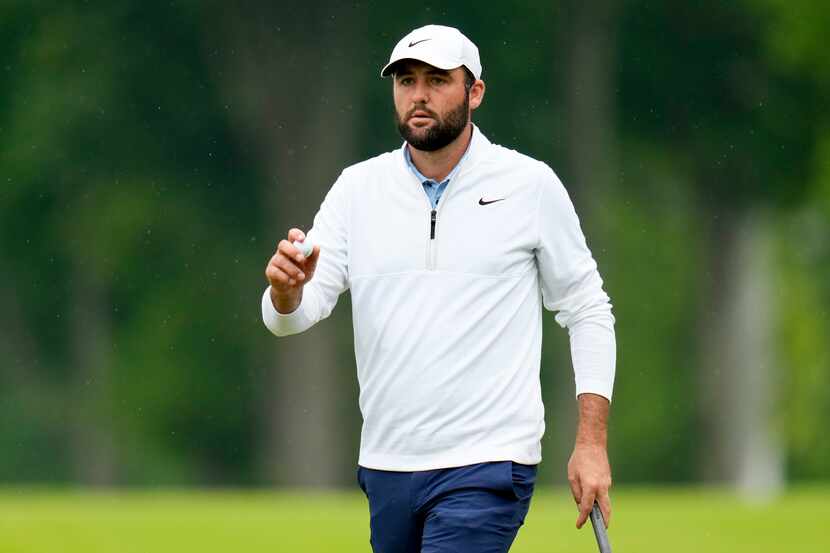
421	178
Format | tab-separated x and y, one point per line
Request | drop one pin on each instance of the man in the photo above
450	246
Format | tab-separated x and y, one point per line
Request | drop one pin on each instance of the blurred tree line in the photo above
152	155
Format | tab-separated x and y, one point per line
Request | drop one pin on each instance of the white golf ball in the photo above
306	247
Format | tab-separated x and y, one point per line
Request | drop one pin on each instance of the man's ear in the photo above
476	94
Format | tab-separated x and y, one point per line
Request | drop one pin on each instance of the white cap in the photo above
439	46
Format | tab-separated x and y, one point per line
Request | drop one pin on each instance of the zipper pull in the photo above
432	216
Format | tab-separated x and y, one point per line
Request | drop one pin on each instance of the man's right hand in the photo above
288	271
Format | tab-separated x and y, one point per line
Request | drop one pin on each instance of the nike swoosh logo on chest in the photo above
482	201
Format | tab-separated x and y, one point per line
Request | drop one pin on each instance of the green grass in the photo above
677	520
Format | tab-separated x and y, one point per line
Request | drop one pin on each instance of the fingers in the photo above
585	505
585	497
296	234
582	497
605	506
287	249
278	277
590	477
282	271
288	267
576	488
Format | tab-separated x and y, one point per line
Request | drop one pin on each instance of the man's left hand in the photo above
589	474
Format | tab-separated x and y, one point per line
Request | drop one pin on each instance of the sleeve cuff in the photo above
594	386
285	324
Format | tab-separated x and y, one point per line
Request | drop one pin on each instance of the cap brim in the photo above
433	61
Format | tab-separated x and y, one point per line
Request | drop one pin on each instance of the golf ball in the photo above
306	247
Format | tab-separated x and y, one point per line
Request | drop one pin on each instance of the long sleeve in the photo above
572	286
331	277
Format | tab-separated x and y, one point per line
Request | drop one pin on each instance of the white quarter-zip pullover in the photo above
446	304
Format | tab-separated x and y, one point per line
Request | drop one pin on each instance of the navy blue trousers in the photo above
472	509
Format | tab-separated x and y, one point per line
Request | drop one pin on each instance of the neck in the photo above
438	164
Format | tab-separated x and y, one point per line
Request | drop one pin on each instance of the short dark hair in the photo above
469	78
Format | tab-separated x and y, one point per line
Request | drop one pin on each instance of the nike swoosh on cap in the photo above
411	44
482	201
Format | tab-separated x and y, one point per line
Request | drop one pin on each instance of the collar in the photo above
424	179
476	149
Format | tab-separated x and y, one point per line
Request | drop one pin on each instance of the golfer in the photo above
451	245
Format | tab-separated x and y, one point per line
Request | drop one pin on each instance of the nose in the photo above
420	92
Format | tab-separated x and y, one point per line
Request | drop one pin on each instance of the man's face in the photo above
432	106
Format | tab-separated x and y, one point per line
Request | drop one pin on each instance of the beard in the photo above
444	131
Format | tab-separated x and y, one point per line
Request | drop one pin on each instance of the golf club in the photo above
599	529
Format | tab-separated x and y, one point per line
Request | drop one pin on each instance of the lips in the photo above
420	114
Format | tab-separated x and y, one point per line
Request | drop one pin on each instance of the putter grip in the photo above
599	529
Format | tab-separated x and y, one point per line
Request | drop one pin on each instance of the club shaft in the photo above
599	529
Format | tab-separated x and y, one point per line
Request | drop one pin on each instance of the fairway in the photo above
677	520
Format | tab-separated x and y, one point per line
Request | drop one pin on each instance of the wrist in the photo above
586	444
285	303
592	429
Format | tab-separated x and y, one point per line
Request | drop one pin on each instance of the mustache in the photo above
425	110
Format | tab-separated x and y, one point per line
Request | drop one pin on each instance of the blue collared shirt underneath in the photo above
432	188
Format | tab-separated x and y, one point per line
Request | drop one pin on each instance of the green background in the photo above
152	154
683	520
